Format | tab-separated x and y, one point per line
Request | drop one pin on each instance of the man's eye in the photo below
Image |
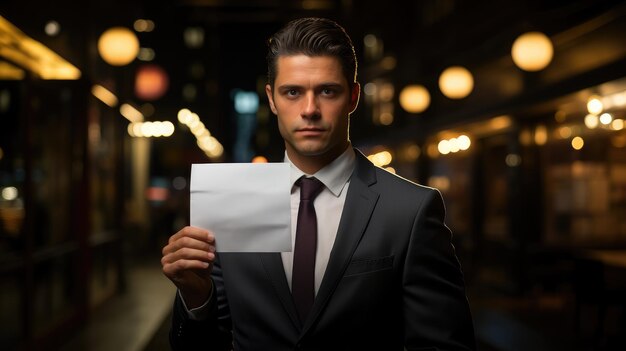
327	91
292	92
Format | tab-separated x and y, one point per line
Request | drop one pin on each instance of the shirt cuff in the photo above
199	313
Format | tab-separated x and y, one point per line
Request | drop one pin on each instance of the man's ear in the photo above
270	98
354	96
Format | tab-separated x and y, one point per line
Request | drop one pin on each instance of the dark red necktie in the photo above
303	277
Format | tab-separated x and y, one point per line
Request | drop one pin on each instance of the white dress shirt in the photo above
328	208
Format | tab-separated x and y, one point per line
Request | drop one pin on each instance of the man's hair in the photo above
312	37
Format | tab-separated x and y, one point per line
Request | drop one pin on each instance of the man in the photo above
385	275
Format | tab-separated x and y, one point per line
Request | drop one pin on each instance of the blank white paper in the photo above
246	205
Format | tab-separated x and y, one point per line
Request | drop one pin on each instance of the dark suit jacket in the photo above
393	281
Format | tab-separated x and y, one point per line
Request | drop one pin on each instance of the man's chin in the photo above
312	152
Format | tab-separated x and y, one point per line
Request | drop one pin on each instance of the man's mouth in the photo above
310	130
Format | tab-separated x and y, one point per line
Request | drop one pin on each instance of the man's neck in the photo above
312	164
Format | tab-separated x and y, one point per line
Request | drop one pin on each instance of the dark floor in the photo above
139	320
131	320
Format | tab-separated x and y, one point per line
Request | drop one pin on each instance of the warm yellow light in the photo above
385	92
500	122
414	98
541	135
606	118
208	143
565	132
532	51
464	142
184	116
619	99
454	145
386	118
381	159
118	46
137	129
168	128
591	121
594	105
444	147
578	143
10	72
617	124
211	146
456	82
525	137
198	128
151	129
390	169
432	151
143	25
104	95
33	56
259	159
131	129
131	113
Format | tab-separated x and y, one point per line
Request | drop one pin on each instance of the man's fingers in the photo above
192	243
188	256
193	232
187	253
190	237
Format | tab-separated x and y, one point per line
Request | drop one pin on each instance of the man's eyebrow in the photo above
289	86
331	85
322	85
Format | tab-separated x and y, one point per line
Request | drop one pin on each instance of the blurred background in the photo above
513	109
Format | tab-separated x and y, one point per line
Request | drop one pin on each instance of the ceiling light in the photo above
118	46
532	51
414	98
456	82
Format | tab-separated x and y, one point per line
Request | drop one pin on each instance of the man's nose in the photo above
310	109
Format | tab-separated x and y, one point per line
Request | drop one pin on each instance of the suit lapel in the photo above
360	202
273	264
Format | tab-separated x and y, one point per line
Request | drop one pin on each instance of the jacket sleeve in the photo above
436	310
213	333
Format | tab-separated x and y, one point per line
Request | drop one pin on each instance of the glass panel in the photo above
496	199
586	191
11	170
52	170
102	148
452	176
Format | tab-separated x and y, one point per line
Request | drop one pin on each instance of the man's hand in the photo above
187	261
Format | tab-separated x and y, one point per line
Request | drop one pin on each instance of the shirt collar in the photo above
334	175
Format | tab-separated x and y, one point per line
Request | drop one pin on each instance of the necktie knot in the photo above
309	188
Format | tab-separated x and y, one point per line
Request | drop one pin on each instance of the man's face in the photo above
313	101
